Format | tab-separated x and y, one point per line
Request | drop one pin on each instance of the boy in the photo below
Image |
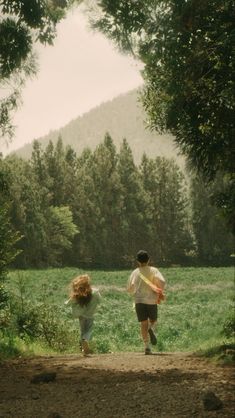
141	284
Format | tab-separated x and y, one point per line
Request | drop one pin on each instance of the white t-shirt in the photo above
142	291
87	311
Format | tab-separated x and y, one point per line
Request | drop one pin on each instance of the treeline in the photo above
99	208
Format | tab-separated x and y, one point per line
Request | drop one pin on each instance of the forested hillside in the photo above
123	117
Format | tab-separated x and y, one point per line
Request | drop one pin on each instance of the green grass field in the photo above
191	319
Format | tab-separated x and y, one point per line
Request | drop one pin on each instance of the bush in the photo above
229	326
5	315
43	322
55	331
4	296
27	322
5	319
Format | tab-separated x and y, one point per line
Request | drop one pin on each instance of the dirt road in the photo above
114	386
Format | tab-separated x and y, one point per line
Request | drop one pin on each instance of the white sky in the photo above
81	70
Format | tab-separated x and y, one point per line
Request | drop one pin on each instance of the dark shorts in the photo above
144	312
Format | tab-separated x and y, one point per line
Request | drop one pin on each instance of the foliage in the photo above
61	231
213	242
223	354
23	23
31	320
40	322
114	211
229	326
187	48
5	315
4	296
8	251
134	221
8	236
166	189
47	230
96	209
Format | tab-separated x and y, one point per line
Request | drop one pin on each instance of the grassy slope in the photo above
198	302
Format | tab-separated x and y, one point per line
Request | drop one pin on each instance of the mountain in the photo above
123	117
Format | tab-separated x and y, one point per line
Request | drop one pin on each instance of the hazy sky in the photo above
81	70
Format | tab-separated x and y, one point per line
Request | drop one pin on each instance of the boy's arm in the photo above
160	281
130	284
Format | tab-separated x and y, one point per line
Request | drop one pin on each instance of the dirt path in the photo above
114	386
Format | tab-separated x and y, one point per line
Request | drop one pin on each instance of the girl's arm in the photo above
67	301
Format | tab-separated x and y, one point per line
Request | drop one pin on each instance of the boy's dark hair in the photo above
142	256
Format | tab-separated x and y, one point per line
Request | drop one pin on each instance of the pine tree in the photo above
27	212
60	233
85	211
170	235
134	219
108	201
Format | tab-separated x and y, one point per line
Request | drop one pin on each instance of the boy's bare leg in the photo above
144	325
151	331
152	324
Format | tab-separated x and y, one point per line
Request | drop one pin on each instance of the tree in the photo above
47	230
27	211
170	237
61	231
55	169
23	23
70	177
85	211
108	202
8	235
214	241
187	48
134	224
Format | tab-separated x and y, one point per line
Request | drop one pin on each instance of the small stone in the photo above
211	402
54	415
43	377
35	396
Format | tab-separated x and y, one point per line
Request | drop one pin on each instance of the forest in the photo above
59	208
90	209
98	208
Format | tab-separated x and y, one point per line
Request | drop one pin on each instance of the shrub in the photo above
229	326
27	322
4	296
54	330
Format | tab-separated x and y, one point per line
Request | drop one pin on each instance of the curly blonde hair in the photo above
81	290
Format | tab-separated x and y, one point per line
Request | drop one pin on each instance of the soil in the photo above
114	386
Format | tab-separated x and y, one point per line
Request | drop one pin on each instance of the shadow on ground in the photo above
114	386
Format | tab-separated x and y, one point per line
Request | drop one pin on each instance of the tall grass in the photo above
199	300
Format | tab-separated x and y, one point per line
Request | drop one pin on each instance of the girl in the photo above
84	301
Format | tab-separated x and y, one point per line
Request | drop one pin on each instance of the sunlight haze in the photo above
81	70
